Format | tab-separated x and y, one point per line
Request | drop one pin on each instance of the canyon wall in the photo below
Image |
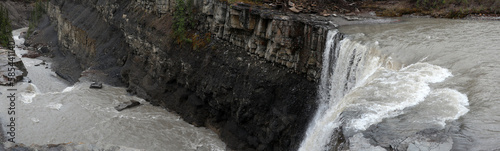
254	83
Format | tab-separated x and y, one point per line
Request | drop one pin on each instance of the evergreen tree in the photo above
36	15
5	27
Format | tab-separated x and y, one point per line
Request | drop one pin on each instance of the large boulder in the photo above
127	105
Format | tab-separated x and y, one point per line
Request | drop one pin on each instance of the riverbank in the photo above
471	9
438	9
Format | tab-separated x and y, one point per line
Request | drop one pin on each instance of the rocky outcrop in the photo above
254	84
294	41
12	68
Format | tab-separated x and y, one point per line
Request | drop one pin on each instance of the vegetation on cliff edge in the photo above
184	24
5	26
39	9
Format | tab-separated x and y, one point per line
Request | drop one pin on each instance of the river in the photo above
50	111
417	84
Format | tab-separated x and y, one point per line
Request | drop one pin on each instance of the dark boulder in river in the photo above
96	85
127	105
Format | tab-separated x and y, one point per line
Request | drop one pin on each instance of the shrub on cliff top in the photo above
181	20
184	23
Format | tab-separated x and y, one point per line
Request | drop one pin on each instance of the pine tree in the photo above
5	31
36	14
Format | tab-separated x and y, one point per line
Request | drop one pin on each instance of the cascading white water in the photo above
359	88
341	69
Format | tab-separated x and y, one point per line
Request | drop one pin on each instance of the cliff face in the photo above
254	84
19	13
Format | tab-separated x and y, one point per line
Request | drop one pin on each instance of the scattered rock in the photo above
96	85
351	18
325	13
372	13
35	32
44	49
350	14
22	35
31	54
127	105
295	10
243	4
333	24
27	42
27	80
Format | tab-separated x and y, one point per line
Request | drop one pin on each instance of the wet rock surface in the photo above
96	85
10	64
127	105
32	54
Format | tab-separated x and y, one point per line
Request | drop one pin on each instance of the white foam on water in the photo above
27	98
390	92
28	93
56	106
359	143
440	106
68	89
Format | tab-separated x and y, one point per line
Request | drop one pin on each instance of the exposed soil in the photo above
391	8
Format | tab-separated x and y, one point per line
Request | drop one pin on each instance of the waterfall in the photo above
342	62
359	88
